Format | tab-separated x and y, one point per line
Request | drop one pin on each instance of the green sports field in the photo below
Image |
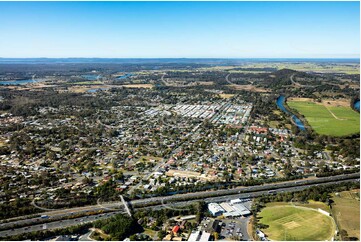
293	223
334	121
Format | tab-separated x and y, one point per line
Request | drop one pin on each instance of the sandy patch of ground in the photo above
210	83
301	99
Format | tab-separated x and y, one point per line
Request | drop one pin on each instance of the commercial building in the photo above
215	209
234	208
199	236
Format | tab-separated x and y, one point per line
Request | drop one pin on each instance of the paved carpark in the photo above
237	227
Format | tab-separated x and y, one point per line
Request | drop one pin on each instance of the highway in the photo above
57	214
169	201
56	224
207	194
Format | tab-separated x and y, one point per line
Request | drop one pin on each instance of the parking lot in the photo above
232	228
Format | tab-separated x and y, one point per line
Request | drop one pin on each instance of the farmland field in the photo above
327	119
289	223
346	206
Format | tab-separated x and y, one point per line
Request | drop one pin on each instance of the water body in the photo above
280	103
97	89
91	77
356	105
18	82
125	76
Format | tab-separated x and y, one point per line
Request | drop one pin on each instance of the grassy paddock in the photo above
287	223
346	209
330	120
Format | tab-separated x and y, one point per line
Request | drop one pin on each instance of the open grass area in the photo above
150	232
273	124
327	119
309	204
250	88
287	223
346	209
347	68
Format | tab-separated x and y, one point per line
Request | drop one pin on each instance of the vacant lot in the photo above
346	209
225	95
287	222
138	86
334	120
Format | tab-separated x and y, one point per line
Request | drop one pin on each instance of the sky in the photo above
180	29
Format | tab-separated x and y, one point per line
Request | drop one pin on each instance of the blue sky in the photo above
180	29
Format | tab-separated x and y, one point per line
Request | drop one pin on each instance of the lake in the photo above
280	103
18	82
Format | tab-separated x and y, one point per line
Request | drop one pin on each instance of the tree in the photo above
161	234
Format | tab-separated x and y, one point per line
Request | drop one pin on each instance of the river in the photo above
280	103
356	105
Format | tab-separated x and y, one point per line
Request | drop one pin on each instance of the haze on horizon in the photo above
180	29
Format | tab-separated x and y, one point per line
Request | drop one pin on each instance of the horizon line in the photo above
179	57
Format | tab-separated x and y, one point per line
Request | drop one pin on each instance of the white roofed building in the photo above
215	209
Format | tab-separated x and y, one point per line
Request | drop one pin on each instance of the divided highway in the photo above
33	224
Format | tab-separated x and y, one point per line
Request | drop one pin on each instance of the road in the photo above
156	202
227	79
298	84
